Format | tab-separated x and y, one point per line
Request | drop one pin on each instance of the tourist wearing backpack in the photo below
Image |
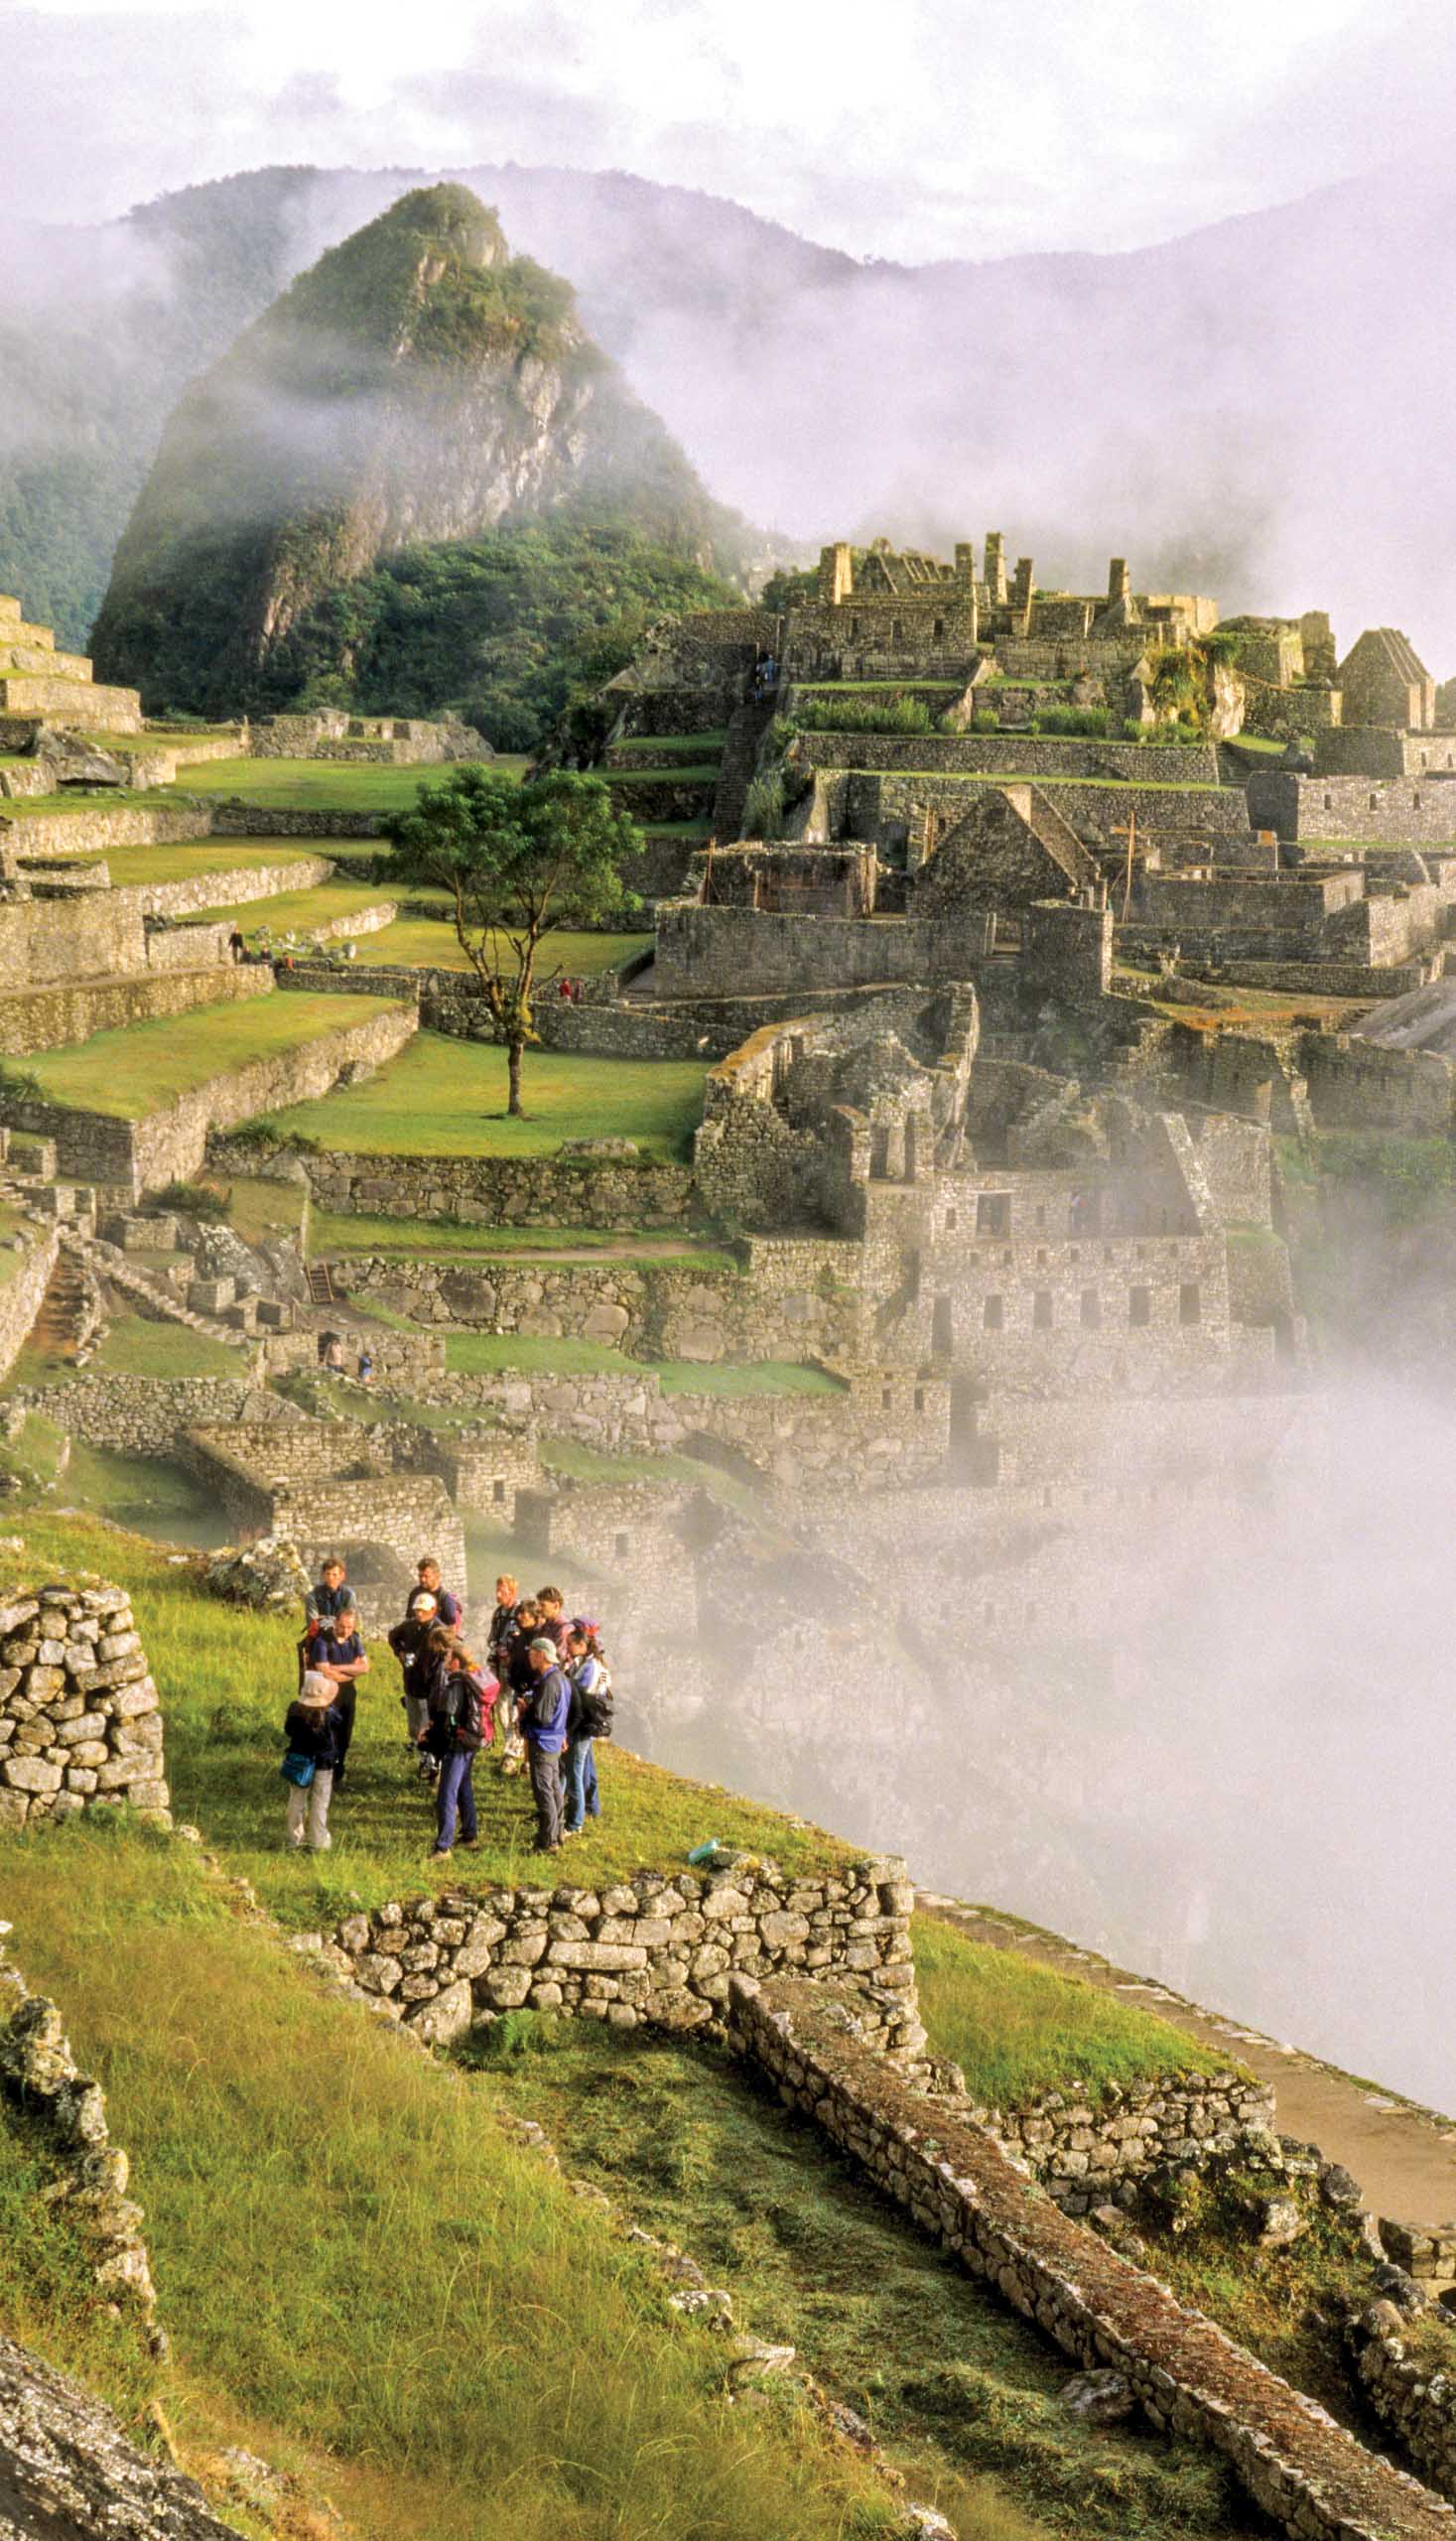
462	1702
588	1716
312	1730
409	1641
543	1718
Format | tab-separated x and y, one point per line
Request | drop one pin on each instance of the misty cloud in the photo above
972	130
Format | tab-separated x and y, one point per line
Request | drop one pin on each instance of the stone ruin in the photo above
79	1722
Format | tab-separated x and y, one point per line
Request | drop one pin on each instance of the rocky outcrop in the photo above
69	2473
417	385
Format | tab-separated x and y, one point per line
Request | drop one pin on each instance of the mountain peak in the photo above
417	384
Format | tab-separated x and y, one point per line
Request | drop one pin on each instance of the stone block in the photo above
505	1988
377	1972
85	1725
30	1774
446	2018
210	1296
607	1957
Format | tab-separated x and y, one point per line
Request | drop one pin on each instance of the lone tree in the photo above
518	862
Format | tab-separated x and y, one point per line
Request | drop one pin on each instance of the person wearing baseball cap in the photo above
407	1641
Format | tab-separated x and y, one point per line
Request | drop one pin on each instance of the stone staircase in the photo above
67	1317
747	728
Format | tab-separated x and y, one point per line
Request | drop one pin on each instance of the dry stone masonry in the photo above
815	2043
652	1949
79	1722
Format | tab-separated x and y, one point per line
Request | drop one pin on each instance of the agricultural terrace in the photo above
441	1096
318	785
138	1068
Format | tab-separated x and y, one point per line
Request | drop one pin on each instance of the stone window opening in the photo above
621	1546
1425	758
942	1330
952	1219
1415	802
1139	1307
993	1314
886	1397
937	632
994	1212
1091	1310
497	1491
1374	802
1190	1302
1041	1310
1329	802
920	1397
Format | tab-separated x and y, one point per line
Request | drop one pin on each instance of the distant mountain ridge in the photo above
1258	407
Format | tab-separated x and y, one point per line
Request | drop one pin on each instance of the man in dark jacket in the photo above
543	1717
338	1656
462	1721
448	1605
407	1641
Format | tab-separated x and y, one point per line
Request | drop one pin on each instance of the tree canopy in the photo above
518	862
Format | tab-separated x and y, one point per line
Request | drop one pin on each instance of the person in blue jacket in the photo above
543	1716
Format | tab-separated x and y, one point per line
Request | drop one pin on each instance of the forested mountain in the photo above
418	386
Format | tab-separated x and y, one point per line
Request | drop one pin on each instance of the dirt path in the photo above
1403	2155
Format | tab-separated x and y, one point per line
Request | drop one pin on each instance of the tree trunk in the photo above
513	1055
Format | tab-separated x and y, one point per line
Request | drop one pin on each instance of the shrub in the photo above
763	806
986	720
191	1200
1091	721
862	715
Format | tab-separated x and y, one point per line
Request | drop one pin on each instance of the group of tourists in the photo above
331	1359
540	1693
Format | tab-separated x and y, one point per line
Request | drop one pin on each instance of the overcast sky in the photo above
911	129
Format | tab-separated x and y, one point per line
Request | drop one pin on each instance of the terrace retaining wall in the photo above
21	1293
473	1190
654	1948
662	1310
79	1723
170	1143
146	1416
1187	2377
46	1018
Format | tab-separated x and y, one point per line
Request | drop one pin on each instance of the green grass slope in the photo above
361	2272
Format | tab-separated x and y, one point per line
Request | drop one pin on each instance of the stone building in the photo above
1382	680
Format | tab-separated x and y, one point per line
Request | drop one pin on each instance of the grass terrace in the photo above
426	943
478	1354
707	773
132	1071
179	862
671	746
332	1233
317	784
442	1097
1020	2030
365	2279
297	913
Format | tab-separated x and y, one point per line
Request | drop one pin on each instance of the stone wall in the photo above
1380	811
656	1308
46	1018
146	1416
876	805
713	952
1015	755
654	1948
1414	2395
332	1485
79	1724
562	1190
1188	2378
1361	1084
91	833
188	893
29	1265
230	817
1082	2152
169	1145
